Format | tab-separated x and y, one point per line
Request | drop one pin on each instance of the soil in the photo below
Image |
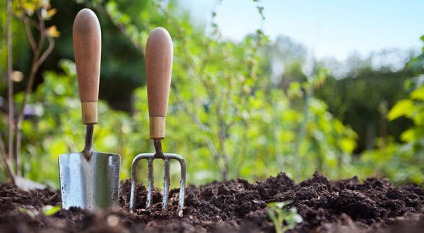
374	205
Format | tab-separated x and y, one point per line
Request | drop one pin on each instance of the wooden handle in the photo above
87	50
159	53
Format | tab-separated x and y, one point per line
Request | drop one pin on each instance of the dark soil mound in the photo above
235	206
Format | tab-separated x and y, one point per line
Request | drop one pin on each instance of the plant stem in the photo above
38	59
11	110
302	131
5	162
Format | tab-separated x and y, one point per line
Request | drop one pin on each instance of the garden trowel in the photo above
88	179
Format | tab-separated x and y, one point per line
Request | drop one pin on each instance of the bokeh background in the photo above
258	88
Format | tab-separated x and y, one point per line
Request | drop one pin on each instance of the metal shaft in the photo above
158	148
88	148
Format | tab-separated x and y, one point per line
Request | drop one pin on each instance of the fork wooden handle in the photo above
87	50
159	53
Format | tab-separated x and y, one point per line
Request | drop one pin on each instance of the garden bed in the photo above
374	205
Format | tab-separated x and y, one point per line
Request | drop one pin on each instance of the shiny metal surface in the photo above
89	179
90	184
150	186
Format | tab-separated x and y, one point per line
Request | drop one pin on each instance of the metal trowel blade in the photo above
90	184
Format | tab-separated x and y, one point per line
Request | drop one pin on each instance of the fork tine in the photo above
166	181
133	185
182	186
180	159
150	184
134	179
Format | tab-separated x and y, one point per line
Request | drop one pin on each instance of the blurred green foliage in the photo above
401	162
364	95
57	129
226	115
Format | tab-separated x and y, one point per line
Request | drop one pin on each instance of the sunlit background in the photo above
329	28
258	88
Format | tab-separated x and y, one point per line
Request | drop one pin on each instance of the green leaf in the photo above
401	108
347	145
413	134
50	210
418	93
279	214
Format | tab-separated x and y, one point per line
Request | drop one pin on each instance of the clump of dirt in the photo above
374	205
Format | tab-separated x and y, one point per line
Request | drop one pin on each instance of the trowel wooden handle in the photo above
87	50
159	54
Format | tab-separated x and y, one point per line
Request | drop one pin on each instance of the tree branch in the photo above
35	65
212	149
192	115
46	53
29	32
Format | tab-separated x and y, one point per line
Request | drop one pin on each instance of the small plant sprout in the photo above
45	210
49	210
283	218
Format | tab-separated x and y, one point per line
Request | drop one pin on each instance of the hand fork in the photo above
159	54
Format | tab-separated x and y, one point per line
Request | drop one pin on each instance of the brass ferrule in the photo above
89	112
157	127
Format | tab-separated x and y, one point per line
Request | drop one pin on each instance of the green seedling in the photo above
283	218
50	210
45	210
